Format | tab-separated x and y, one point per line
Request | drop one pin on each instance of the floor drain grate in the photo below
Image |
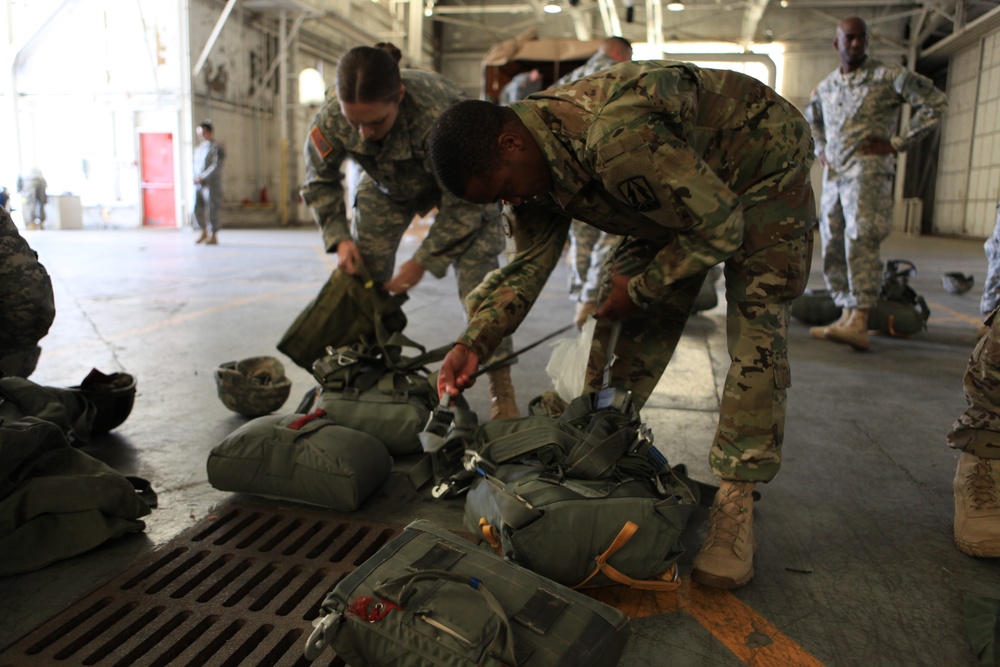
239	589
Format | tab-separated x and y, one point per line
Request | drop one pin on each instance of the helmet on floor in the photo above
956	283
253	387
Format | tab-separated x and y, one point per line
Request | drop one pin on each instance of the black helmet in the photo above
253	387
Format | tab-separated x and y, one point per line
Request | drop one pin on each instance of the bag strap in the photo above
668	581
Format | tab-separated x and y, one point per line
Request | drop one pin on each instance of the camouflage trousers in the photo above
759	289
991	289
977	430
588	250
855	217
207	206
378	226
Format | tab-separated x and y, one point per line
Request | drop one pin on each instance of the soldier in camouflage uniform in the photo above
521	85
853	118
381	117
27	307
208	159
693	167
589	246
977	434
991	289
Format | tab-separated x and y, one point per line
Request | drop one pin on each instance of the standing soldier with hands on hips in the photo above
208	158
381	117
853	119
693	167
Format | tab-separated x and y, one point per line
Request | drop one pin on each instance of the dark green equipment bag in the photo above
306	458
900	311
585	499
56	501
430	599
344	311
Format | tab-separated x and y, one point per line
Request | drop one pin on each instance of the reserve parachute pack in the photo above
900	311
584	499
431	599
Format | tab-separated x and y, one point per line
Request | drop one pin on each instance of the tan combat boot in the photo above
977	506
203	237
820	332
503	404
584	309
212	240
726	559
854	332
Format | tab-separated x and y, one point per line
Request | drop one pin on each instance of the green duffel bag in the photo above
900	311
306	458
816	307
373	388
430	599
585	499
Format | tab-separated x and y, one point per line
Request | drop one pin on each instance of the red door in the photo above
156	150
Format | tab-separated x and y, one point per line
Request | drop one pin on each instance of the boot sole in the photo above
978	549
715	581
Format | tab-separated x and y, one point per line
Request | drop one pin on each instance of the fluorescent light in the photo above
675	7
428	12
312	87
551	8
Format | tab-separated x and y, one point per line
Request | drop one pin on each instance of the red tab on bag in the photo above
305	419
365	610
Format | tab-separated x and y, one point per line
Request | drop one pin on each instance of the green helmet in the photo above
954	282
253	387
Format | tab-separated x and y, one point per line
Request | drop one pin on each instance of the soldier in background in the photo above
991	288
589	246
976	433
853	118
381	117
521	85
612	150
208	158
33	199
27	307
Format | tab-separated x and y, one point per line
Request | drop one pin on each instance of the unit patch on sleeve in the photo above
323	146
638	194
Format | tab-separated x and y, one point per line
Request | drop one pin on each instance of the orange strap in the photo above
668	581
490	534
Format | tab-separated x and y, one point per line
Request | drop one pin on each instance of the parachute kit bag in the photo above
815	307
900	311
430	599
584	499
344	311
306	458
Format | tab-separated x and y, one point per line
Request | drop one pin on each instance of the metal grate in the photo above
239	589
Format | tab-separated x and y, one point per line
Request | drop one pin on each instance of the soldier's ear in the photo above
402	93
508	142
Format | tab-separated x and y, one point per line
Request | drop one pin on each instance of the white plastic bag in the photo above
568	364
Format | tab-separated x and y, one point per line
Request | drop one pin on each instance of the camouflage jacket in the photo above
399	165
27	307
666	152
597	62
208	157
848	108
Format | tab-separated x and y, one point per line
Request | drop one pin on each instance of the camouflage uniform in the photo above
208	158
991	289
588	246
27	307
977	431
519	87
856	204
693	167
398	183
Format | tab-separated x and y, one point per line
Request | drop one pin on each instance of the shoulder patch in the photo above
323	146
638	194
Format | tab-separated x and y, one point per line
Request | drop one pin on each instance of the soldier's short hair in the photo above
206	125
463	142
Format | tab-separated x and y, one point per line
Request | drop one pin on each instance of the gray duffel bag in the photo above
306	458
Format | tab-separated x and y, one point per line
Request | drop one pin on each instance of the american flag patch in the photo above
323	146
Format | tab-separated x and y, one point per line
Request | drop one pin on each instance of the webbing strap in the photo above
490	535
517	444
590	460
668	581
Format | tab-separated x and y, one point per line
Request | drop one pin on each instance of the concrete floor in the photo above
855	564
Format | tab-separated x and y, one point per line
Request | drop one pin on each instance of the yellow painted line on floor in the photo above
955	315
749	636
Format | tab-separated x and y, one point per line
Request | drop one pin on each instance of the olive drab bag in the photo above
344	311
430	599
584	499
